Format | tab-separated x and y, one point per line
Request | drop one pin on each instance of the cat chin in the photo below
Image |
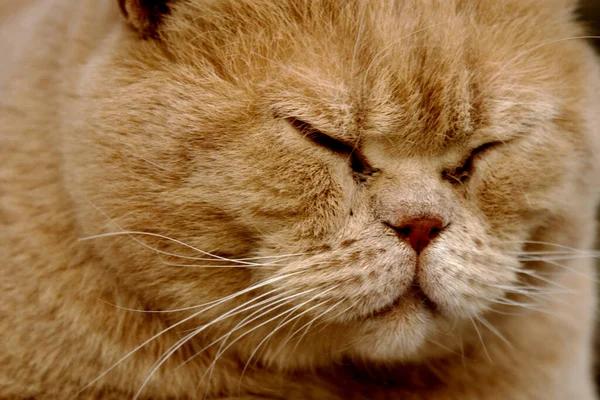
401	334
393	343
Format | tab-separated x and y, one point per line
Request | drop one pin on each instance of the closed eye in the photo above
358	162
318	137
466	168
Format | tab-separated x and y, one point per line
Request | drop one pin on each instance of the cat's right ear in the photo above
145	16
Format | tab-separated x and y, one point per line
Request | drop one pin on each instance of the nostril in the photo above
419	232
434	232
404	232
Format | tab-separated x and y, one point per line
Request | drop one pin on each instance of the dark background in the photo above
590	12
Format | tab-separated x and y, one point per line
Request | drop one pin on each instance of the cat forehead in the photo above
432	99
443	69
441	106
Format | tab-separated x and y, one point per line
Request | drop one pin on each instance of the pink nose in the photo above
419	232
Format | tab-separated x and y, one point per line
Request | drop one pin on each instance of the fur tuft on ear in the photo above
144	15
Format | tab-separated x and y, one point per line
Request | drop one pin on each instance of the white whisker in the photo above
536	242
223	350
157	235
572	270
182	341
307	327
323	322
276	301
261	266
281	325
212	305
564	257
493	329
481	339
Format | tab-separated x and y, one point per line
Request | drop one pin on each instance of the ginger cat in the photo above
297	199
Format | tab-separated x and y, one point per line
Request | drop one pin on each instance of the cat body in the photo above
299	199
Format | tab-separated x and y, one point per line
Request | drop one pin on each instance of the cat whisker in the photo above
525	288
493	329
271	304
261	266
212	305
535	306
536	275
306	328
281	325
563	257
184	340
157	235
570	269
513	303
174	310
324	322
271	257
526	271
542	243
253	258
131	234
552	252
491	309
223	350
530	290
481	339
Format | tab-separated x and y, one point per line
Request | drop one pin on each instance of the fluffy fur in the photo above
177	147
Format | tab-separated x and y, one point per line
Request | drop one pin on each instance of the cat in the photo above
297	199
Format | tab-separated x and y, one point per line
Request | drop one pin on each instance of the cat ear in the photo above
145	16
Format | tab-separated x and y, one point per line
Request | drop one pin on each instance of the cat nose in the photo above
420	231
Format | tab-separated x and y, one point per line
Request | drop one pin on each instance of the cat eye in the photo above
358	162
318	137
463	172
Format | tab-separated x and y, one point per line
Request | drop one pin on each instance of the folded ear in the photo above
144	15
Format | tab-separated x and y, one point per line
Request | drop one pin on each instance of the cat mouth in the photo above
409	299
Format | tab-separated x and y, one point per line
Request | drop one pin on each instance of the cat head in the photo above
376	168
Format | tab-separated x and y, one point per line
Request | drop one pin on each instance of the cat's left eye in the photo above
464	171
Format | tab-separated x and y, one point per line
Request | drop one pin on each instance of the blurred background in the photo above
590	11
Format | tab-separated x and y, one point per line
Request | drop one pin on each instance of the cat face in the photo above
373	169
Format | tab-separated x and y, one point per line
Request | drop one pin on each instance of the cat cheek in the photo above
516	189
462	276
362	277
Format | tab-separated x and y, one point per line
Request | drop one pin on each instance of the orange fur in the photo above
180	135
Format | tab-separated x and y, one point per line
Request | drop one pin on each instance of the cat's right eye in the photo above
318	137
358	163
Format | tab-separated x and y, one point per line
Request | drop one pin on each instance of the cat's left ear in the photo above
145	16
